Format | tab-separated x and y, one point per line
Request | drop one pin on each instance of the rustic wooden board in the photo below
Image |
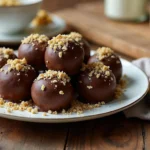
146	133
110	133
128	38
15	135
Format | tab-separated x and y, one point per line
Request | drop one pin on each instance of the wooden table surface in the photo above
115	132
130	38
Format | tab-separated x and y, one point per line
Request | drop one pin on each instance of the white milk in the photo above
125	9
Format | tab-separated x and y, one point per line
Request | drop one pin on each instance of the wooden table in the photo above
110	133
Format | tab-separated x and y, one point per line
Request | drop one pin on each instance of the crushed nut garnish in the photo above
55	112
120	87
34	111
89	87
96	69
63	111
9	110
55	76
76	35
29	109
35	37
60	54
60	42
50	112
104	52
42	18
103	103
43	87
18	64
44	114
10	3
6	52
61	92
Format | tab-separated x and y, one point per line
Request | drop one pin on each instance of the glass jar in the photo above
126	10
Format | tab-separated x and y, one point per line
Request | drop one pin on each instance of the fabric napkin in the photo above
142	109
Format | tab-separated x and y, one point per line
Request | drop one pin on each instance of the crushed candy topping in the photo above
6	52
42	18
10	3
18	64
61	92
55	76
96	69
43	87
104	52
60	42
35	37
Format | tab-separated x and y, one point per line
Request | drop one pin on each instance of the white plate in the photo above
137	87
58	26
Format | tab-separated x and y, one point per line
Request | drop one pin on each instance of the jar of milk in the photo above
126	10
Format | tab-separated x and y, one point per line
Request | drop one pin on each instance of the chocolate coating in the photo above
86	48
50	99
3	60
16	85
113	62
70	62
102	89
34	54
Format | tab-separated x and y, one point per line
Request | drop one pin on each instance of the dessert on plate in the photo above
16	78
84	44
108	58
65	77
64	53
52	90
96	83
33	49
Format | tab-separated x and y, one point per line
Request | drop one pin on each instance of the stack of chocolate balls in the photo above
62	59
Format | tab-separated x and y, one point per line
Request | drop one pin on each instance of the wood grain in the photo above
110	133
15	135
146	132
128	38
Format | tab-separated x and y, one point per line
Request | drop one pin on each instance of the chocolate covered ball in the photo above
52	91
64	53
85	44
16	78
33	49
96	83
5	54
109	58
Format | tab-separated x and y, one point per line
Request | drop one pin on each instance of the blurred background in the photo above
60	4
122	25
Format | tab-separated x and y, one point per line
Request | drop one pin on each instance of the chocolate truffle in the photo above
64	53
109	58
5	54
96	83
16	78
85	45
33	49
52	91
